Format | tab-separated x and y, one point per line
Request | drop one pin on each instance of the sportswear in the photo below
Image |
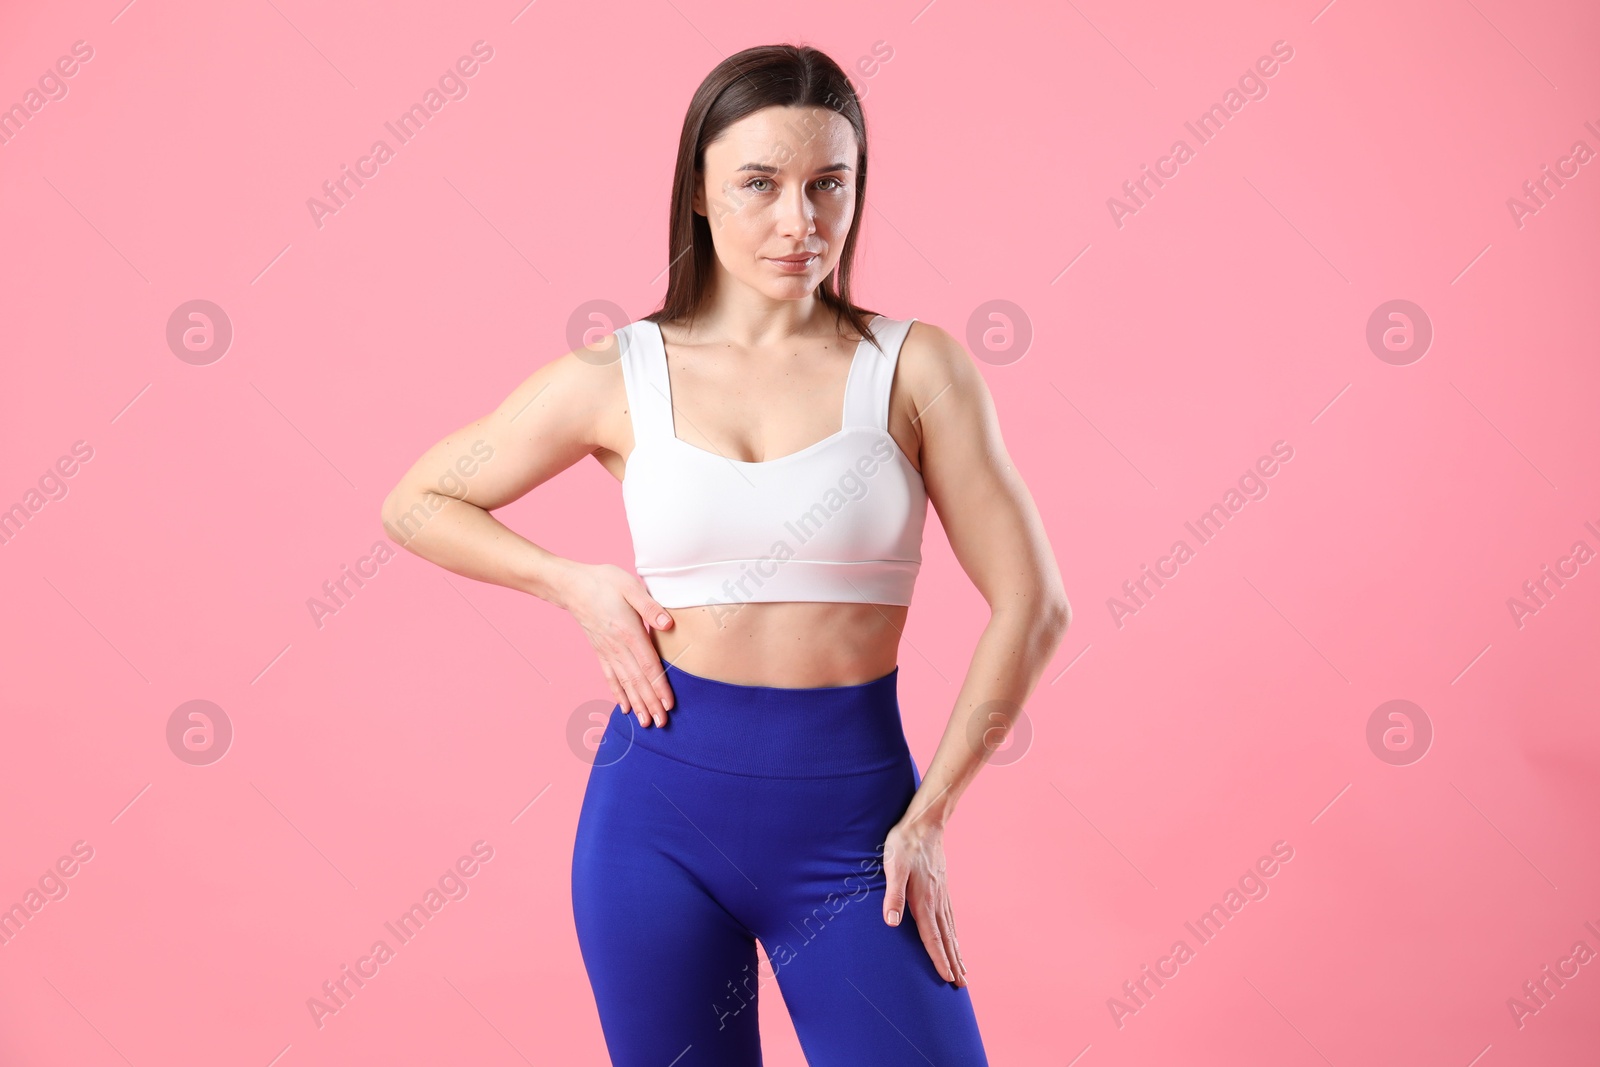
839	520
757	813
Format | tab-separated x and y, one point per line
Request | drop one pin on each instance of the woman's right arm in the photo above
440	510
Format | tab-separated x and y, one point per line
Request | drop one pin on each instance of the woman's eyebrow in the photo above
767	168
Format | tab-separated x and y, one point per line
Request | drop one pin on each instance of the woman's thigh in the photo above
674	974
858	990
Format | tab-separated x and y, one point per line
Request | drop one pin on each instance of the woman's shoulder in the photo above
933	362
932	350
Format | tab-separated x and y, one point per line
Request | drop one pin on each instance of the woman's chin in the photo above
789	288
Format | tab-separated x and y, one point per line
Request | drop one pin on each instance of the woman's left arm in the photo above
999	540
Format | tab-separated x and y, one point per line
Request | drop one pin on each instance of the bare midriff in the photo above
792	645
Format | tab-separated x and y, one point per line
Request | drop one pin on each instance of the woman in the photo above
767	791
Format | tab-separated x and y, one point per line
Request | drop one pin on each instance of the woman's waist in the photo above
793	644
774	731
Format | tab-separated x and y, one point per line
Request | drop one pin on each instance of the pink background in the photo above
1171	748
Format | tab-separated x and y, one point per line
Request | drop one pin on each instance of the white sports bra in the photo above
839	520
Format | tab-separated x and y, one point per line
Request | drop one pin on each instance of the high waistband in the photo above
770	731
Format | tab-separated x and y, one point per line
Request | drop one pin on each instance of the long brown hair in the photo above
782	75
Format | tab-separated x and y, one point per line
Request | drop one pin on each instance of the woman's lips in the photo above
794	263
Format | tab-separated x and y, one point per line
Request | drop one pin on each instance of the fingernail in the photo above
662	619
894	918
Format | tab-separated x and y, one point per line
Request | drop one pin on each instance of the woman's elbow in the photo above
392	504
1058	612
1046	611
403	515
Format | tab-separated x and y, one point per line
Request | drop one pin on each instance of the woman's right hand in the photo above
617	613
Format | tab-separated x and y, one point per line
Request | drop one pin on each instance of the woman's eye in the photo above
835	187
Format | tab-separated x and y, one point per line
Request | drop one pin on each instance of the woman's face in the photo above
780	182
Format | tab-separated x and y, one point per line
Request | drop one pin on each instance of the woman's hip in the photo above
768	731
799	786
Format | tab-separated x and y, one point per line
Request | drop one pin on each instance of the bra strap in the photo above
644	376
866	401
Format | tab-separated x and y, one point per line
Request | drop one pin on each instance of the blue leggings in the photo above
757	812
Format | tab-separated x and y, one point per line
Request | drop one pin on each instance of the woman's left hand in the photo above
913	863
